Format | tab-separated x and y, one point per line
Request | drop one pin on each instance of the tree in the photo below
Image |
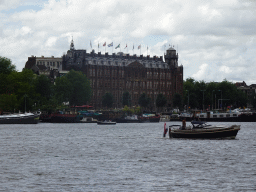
161	100
144	100
177	100
6	66
73	87
8	102
126	98
107	100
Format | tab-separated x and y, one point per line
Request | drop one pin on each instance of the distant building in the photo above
248	90
122	72
49	66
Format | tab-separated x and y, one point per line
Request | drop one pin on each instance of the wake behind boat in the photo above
201	130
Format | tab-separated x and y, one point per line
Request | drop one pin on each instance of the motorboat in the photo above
106	122
201	130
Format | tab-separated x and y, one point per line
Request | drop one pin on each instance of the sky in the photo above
215	39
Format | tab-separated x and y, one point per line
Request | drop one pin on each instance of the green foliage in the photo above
161	100
8	103
212	94
144	100
131	111
107	100
177	100
126	98
73	87
6	66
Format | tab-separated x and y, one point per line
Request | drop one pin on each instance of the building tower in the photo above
72	46
171	58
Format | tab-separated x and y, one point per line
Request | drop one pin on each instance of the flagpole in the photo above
133	49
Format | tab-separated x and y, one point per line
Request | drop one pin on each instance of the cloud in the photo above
215	39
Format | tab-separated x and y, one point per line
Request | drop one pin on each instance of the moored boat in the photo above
201	130
149	118
106	122
23	118
128	119
60	118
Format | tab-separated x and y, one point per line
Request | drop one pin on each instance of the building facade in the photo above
121	72
49	66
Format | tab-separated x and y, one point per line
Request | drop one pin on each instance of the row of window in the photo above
120	73
106	73
49	63
135	96
129	84
122	63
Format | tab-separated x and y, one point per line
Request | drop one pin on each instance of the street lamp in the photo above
221	99
188	99
212	98
25	96
203	98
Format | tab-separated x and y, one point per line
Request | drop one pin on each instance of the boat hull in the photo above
20	120
60	118
106	123
208	133
127	120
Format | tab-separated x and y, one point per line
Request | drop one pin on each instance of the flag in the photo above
98	45
133	46
117	46
90	43
110	45
139	46
125	46
104	44
147	47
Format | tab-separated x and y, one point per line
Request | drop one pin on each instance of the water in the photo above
123	157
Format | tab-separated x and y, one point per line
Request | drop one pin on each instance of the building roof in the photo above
171	49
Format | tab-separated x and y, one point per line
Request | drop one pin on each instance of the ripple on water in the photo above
129	157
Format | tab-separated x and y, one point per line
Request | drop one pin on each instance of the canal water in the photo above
123	157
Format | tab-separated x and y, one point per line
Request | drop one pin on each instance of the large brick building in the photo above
121	72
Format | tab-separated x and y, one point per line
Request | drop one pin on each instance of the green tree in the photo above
6	68
161	101
107	100
73	87
212	94
8	102
144	100
126	98
177	100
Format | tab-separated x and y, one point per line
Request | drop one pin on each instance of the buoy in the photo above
165	130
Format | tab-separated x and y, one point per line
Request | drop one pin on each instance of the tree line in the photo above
26	91
209	96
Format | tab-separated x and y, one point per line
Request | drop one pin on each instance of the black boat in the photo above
24	118
106	122
201	130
